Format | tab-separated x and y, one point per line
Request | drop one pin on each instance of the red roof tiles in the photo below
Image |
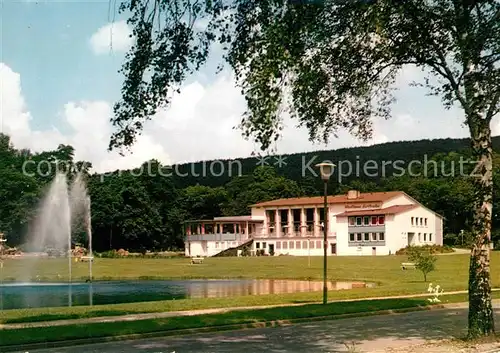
317	200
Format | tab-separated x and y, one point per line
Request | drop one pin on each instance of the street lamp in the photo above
3	242
326	170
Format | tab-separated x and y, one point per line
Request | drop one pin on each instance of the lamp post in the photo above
2	246
326	170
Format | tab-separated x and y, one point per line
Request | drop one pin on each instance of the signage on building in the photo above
363	205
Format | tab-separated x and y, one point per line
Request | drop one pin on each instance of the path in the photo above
159	315
398	333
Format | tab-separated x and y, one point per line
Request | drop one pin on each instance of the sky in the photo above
59	79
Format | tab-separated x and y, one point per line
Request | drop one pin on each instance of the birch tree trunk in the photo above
481	318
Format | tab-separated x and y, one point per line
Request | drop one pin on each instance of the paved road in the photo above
371	334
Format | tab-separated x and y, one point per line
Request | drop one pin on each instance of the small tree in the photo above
423	259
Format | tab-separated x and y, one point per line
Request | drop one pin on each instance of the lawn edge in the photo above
208	329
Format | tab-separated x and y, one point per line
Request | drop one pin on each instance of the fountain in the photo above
62	208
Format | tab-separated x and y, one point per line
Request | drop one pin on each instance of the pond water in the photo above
35	295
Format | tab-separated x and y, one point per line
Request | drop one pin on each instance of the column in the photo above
303	225
198	229
290	222
203	228
277	221
316	230
246	230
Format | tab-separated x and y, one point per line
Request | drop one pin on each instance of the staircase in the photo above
234	251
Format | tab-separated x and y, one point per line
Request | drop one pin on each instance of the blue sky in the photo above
48	44
67	91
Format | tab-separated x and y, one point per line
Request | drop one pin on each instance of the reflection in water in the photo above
32	295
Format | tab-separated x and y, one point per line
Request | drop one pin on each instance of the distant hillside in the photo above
298	166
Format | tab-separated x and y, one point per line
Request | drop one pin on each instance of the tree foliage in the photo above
331	64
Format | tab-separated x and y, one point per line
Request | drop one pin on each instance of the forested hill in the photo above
144	209
294	166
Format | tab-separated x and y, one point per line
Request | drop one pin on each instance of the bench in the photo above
87	259
197	260
407	265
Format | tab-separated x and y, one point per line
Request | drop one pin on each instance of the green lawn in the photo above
451	275
96	330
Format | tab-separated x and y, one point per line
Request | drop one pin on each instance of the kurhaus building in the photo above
378	223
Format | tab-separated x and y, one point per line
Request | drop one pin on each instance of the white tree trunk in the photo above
481	318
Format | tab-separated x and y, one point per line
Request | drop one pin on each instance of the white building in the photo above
378	223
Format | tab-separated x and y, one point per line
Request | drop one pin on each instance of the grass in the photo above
451	274
99	330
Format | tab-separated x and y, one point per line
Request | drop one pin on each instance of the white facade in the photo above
358	224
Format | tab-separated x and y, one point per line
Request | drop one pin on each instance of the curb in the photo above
262	324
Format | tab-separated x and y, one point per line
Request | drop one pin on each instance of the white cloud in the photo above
113	37
89	134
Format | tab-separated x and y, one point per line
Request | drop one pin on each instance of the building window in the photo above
381	236
421	221
285	245
367	236
278	245
419	240
412	219
264	245
304	244
351	237
318	244
430	236
352	221
291	245
257	245
374	221
381	220
374	236
358	236
358	221
216	244
311	244
297	244
366	221
425	222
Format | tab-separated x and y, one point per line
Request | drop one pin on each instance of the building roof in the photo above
238	219
339	199
380	211
227	219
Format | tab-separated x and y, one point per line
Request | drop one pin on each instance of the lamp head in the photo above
325	170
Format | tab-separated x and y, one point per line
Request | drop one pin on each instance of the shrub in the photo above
111	254
433	249
245	251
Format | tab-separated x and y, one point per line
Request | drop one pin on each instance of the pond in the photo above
35	295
